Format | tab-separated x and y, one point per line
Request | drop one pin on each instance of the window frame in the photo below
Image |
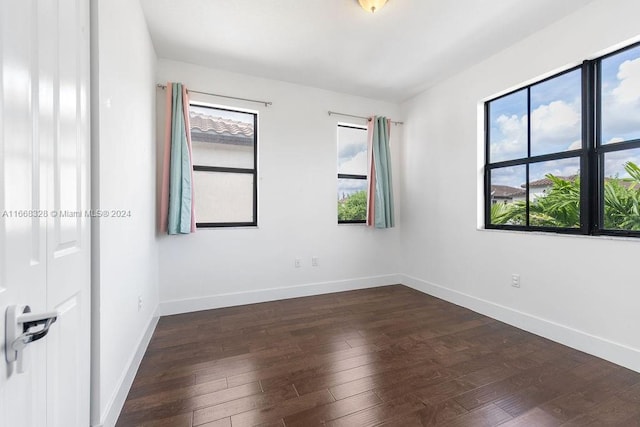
223	169
352	176
591	156
600	149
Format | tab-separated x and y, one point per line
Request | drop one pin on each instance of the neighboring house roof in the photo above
218	129
546	182
626	183
504	191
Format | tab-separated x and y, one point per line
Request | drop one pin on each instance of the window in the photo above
352	174
618	140
224	166
563	154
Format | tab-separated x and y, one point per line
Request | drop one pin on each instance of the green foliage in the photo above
353	208
509	214
560	207
622	200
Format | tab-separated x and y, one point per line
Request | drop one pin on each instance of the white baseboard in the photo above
597	346
273	294
114	407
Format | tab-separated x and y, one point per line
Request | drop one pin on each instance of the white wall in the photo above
125	254
583	291
297	167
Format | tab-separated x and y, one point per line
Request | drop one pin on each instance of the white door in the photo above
44	193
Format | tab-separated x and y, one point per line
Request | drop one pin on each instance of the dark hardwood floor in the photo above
387	356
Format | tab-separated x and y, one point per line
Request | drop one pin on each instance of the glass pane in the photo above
620	96
556	118
352	199
352	151
508	127
223	197
554	193
222	138
622	190
508	204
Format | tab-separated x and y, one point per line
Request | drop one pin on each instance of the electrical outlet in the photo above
515	280
297	263
139	302
315	261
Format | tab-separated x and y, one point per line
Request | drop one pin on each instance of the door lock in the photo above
23	328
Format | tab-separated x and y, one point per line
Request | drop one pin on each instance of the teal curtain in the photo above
383	209
180	177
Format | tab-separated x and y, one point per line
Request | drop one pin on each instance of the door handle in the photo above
23	328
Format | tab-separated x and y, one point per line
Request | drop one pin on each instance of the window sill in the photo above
563	235
235	227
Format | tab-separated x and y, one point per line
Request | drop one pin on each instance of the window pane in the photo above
620	96
352	199
223	197
622	190
508	127
554	193
352	151
556	119
222	138
508	205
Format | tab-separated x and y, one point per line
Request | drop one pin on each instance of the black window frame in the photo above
591	155
352	176
252	171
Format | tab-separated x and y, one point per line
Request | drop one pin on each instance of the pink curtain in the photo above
371	173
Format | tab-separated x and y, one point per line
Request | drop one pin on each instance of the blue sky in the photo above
621	96
556	120
352	159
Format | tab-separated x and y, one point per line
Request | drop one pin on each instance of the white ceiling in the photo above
404	48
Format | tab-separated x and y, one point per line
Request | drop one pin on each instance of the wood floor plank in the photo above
536	417
282	410
171	395
182	420
238	406
379	413
225	422
141	387
340	408
141	410
486	416
612	411
409	380
383	356
430	415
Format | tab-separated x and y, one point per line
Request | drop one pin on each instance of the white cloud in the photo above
554	127
621	103
513	176
575	145
628	91
615	161
555	124
511	141
357	165
614	140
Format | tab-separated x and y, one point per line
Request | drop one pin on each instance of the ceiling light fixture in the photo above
372	5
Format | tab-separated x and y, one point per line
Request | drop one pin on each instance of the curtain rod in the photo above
266	103
331	113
